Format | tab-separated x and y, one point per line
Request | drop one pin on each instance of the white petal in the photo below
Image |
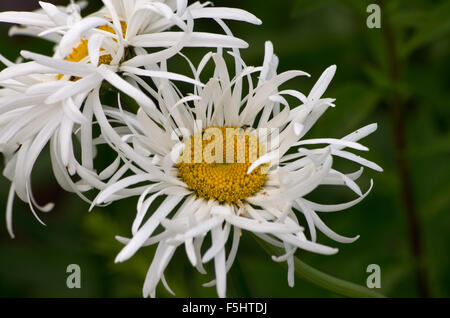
84	85
341	143
219	241
307	245
24	69
26	18
322	84
162	257
357	159
126	87
147	229
9	210
76	32
196	39
190	251
262	160
199	229
60	66
160	74
221	273
122	184
94	45
260	226
337	207
54	13
330	233
225	14
361	133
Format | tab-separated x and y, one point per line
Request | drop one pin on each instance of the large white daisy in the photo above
262	195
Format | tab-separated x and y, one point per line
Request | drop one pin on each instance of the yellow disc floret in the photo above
80	52
215	162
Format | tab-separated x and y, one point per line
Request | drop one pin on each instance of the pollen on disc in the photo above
215	162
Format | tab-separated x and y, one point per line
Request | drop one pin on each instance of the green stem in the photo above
316	277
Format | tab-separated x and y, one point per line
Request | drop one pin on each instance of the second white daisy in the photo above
262	195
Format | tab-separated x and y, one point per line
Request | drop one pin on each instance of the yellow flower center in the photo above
80	52
214	164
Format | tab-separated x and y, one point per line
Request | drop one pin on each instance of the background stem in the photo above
316	277
399	127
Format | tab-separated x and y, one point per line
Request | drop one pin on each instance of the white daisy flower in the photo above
28	123
44	99
262	194
95	48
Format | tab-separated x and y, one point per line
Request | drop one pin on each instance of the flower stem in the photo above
404	174
321	279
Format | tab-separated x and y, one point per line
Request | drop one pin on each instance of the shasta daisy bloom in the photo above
27	124
97	47
44	99
30	120
242	165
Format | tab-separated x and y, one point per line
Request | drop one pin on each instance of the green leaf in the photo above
437	203
437	25
439	146
305	7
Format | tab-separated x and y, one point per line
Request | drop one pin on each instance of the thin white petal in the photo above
226	14
26	18
322	84
147	229
196	39
76	32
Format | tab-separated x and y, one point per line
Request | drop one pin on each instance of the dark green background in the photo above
307	35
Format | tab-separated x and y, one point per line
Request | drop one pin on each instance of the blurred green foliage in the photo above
308	35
